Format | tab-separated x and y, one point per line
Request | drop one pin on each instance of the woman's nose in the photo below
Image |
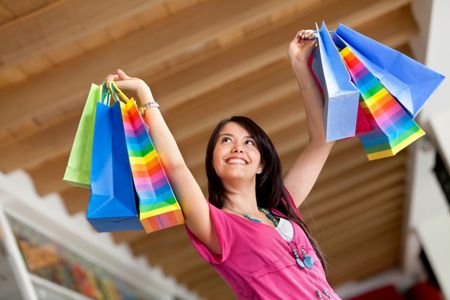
236	149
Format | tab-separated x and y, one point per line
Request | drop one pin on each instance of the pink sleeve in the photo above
225	236
292	204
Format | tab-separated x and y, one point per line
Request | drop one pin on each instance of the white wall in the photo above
48	215
427	204
427	201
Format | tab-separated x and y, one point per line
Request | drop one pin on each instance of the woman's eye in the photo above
250	142
225	139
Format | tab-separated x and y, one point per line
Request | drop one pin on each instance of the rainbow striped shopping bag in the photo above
158	207
392	127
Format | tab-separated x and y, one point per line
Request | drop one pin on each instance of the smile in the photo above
236	161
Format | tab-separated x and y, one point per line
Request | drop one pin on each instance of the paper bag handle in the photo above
115	90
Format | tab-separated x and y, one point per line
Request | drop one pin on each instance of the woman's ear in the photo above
260	169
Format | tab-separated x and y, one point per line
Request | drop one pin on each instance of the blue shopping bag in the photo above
341	97
410	82
113	202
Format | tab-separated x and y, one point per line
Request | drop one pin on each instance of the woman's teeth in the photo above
236	161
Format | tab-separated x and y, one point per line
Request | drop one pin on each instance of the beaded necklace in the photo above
306	263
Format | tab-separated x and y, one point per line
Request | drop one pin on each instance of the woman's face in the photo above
236	155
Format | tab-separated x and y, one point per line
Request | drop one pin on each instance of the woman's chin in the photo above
237	175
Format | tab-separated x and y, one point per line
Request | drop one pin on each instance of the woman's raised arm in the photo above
193	203
304	172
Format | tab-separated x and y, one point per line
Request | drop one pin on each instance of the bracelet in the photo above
307	86
151	104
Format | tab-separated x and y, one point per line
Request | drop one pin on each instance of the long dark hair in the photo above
270	190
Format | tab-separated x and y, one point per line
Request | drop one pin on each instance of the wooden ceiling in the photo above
204	60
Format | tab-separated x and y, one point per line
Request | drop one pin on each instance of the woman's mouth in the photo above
236	161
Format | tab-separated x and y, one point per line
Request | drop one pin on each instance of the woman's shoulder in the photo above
229	217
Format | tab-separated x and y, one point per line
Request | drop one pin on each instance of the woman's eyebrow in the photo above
245	137
227	134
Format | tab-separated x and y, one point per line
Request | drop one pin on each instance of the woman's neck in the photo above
241	198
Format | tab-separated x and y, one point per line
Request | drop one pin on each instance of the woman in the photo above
250	231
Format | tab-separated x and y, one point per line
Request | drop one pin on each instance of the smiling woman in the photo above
250	229
235	153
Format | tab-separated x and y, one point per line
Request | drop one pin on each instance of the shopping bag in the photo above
113	203
158	205
392	127
78	170
340	95
410	82
362	124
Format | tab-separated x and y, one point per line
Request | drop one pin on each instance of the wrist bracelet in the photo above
151	104
307	86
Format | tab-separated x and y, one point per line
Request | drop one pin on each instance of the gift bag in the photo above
340	95
113	203
78	170
410	82
158	206
392	127
362	124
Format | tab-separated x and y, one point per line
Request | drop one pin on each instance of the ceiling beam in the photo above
48	176
5	14
145	243
375	267
65	29
405	25
160	253
263	88
70	131
127	237
362	205
183	261
372	257
261	51
75	199
47	105
362	225
212	288
52	140
183	254
186	270
387	238
153	47
192	276
332	187
386	242
343	200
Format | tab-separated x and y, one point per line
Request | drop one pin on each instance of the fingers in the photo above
111	77
122	74
119	75
125	84
306	35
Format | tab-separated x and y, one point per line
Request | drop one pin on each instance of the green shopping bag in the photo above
78	169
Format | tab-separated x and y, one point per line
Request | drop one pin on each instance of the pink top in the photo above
258	263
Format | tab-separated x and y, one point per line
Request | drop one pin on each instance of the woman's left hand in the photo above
300	48
134	85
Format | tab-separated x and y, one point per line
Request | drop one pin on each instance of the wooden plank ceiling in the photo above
204	60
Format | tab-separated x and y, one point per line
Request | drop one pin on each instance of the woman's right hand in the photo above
131	84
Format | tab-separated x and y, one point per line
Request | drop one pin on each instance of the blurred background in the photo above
384	226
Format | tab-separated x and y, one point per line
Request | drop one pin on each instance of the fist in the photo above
301	47
133	85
